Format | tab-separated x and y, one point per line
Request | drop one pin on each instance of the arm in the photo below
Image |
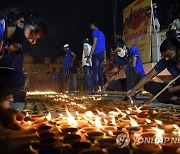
133	61
73	56
174	89
114	76
93	47
142	82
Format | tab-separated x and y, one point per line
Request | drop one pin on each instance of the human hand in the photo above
130	93
11	119
88	60
105	86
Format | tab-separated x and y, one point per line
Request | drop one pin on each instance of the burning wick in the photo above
48	117
131	100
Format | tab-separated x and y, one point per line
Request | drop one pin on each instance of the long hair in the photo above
13	14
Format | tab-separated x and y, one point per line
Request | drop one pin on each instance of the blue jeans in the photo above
89	77
11	81
132	76
71	83
97	63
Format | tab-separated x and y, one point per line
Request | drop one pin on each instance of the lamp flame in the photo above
71	119
133	123
98	123
48	117
158	122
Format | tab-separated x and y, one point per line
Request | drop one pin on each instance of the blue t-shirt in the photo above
173	69
133	52
12	60
68	59
100	45
1	31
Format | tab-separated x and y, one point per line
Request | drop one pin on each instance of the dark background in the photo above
68	22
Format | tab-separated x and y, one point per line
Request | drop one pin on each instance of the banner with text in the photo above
137	27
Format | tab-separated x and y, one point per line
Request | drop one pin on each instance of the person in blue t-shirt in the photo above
98	54
131	60
68	64
16	27
170	51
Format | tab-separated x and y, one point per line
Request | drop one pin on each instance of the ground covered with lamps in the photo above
61	123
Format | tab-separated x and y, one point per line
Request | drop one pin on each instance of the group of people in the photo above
23	27
93	57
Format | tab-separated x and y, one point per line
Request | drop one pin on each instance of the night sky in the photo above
68	22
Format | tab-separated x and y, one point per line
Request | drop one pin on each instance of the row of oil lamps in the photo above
144	134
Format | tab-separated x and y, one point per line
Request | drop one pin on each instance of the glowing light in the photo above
98	123
133	123
158	122
48	117
148	121
71	119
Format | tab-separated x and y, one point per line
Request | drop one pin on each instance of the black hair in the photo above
13	14
170	44
94	22
119	43
171	34
86	40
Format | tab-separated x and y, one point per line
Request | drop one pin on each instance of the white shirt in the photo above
86	48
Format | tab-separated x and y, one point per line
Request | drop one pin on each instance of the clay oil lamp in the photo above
27	124
70	130
87	129
80	146
147	148
171	140
165	127
92	135
45	134
134	128
44	127
105	142
71	138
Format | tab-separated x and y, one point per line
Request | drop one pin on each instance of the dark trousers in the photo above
11	81
155	87
117	85
132	76
97	64
71	83
89	77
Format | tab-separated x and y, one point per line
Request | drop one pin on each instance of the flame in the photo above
148	121
133	122
110	132
159	137
176	126
137	134
105	120
101	113
113	121
129	108
98	123
158	122
128	112
89	114
48	117
71	119
123	114
41	93
27	114
138	109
